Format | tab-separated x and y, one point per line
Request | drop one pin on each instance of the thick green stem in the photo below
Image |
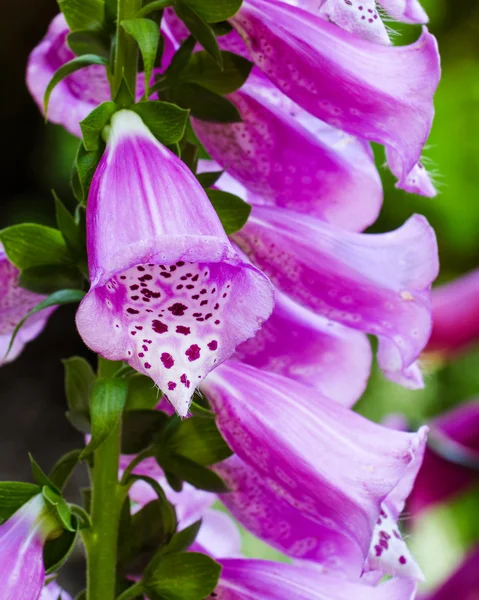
126	56
105	513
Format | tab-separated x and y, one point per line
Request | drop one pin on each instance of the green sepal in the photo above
83	14
87	41
199	440
84	168
181	576
40	477
80	62
183	539
203	103
124	96
107	401
146	33
205	71
209	179
79	380
166	121
199	29
63	468
93	125
13	495
61	508
232	210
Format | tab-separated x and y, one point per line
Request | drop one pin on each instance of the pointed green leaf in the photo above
83	14
60	474
182	540
70	230
79	380
208	180
31	245
180	58
146	33
199	440
84	169
166	121
106	405
80	62
214	11
46	279
204	70
140	428
232	210
61	507
93	125
204	104
193	473
89	42
199	29
13	495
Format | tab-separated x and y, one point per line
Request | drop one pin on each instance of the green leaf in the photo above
182	540
79	380
154	6
204	104
46	279
80	62
140	428
13	495
166	121
197	475
84	169
199	440
62	297
89	42
40	477
199	29
70	230
93	125
174	481
214	11
124	96
106	405
204	70
232	210
83	14
180	59
57	551
182	576
61	507
207	180
30	245
63	469
146	33
142	393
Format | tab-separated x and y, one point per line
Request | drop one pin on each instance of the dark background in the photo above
36	158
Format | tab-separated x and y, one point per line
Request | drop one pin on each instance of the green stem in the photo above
126	56
133	592
105	513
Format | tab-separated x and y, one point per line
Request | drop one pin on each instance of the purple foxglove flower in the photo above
15	303
311	349
168	294
463	584
379	93
343	495
439	479
455	311
378	284
79	93
53	591
22	538
242	579
286	157
407	11
418	180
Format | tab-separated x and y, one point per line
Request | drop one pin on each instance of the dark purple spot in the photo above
165	275
139	327
378	550
134	287
195	278
177	309
193	352
140	354
185	381
203	291
135	297
208	316
179	287
216	306
195	297
402	560
180	263
171	385
159	327
132	311
145	277
122	276
197	314
183	330
172	269
213	345
133	332
140	268
167	360
190	287
147	366
217	322
203	302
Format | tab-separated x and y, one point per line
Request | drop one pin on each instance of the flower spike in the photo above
169	294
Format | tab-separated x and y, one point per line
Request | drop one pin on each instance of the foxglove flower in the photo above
407	11
22	538
53	591
287	158
463	584
311	349
341	496
169	295
15	303
376	92
455	310
457	434
242	579
378	284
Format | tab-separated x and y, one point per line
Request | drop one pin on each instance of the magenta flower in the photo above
376	92
168	294
242	579
407	11
378	284
286	157
455	310
311	349
368	470
463	584
15	303
22	538
439	479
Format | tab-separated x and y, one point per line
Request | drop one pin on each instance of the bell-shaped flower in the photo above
311	349
169	294
463	584
286	157
282	431
243	579
22	537
375	283
15	303
376	92
450	464
407	11
455	311
53	591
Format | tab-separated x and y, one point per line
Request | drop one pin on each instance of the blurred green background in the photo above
36	158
